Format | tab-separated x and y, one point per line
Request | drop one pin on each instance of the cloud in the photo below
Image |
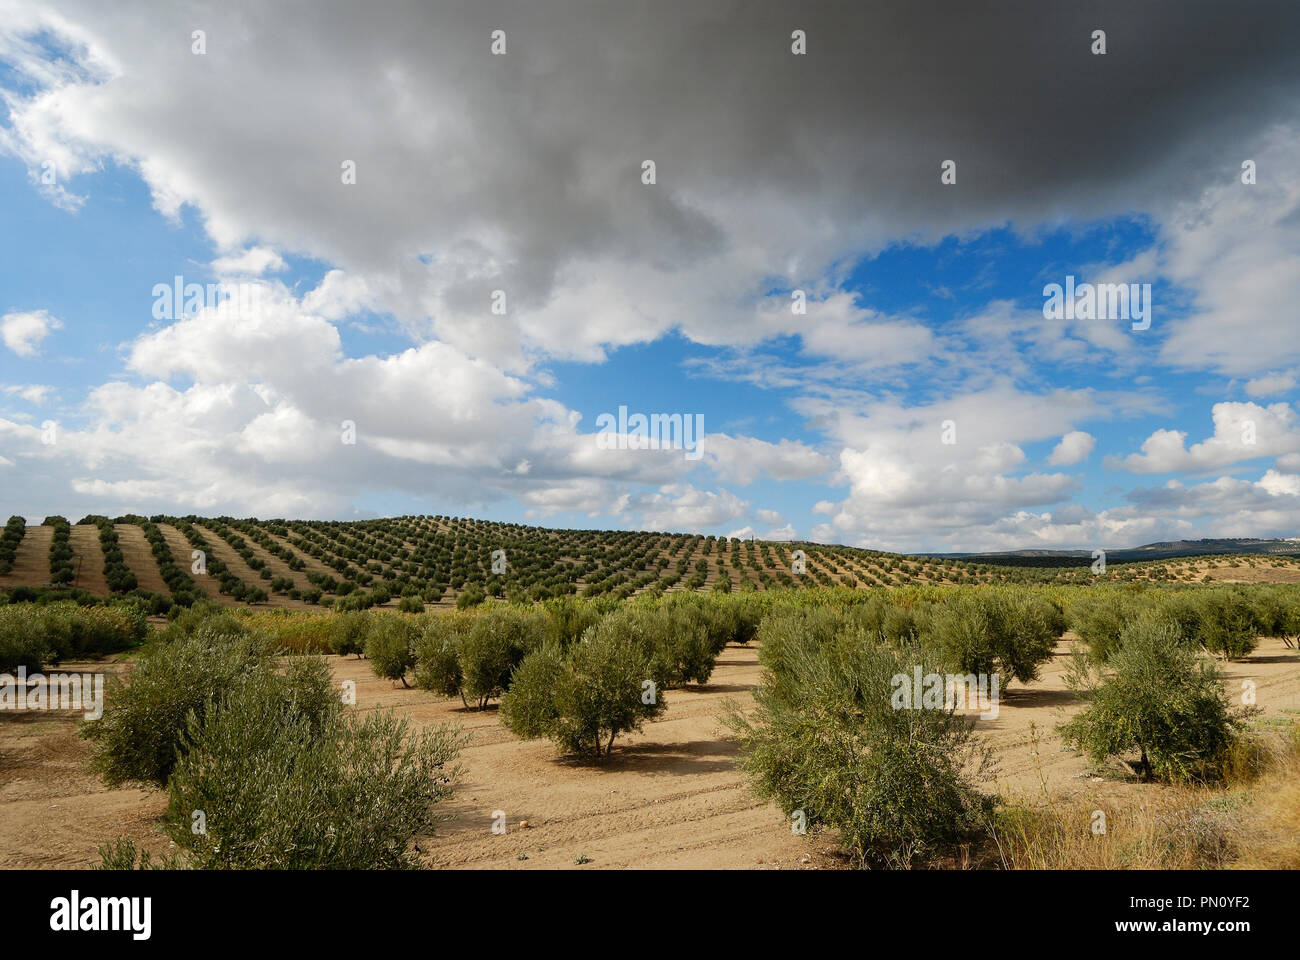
1224	507
684	507
906	483
521	174
1074	446
837	327
253	262
781	189
247	413
1227	506
742	459
23	332
1242	431
1271	384
1236	248
34	393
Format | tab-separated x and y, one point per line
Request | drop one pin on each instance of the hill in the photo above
444	560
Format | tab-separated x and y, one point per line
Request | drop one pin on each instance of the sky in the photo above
438	245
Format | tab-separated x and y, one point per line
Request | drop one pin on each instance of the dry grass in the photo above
1249	821
1269	838
295	631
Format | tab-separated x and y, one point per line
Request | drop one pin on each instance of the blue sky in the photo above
924	299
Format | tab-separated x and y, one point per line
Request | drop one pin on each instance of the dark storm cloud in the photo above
505	169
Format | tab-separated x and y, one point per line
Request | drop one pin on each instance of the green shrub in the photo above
1287	624
825	740
282	786
691	636
788	629
137	738
568	619
471	596
1181	610
348	633
1228	625
204	613
437	659
123	855
1160	700
32	635
747	613
61	569
20	644
13	534
1276	611
584	697
899	626
490	650
1100	616
990	631
528	710
389	646
680	637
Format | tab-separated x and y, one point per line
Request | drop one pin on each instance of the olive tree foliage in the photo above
285	778
568	619
474	656
122	854
680	640
1225	621
1277	612
826	742
1100	617
986	631
139	734
204	613
1228	626
264	765
1156	698
348	632
390	642
584	696
493	646
437	656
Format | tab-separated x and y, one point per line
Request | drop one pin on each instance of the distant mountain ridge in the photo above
1148	551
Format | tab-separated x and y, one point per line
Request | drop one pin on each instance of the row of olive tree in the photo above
1225	621
829	742
631	653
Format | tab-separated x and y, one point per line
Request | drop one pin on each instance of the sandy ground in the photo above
32	559
669	797
138	555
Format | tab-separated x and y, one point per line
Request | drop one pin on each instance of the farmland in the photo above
517	698
445	561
